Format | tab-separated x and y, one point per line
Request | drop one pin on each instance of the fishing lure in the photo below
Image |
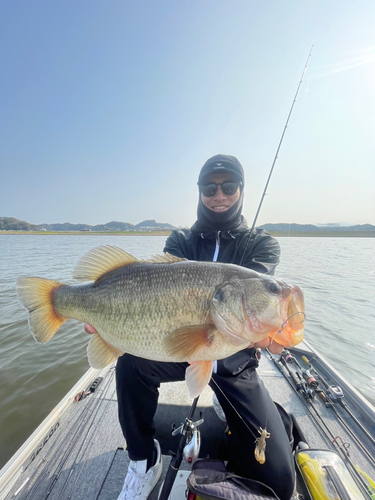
260	448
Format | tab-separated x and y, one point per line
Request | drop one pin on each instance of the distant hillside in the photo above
12	224
114	226
110	226
148	225
311	227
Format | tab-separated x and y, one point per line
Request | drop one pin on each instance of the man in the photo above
219	234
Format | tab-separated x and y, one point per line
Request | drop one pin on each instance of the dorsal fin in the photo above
101	260
166	258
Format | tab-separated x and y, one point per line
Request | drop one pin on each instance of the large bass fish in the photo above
165	309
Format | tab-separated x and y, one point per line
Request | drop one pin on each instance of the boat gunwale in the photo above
15	465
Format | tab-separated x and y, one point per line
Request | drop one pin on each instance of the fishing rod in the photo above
176	460
328	399
323	427
311	381
335	394
300	382
275	158
309	378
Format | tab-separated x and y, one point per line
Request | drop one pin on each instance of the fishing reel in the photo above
193	438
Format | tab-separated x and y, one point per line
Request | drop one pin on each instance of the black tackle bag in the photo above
209	480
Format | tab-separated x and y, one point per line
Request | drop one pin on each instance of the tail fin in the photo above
35	294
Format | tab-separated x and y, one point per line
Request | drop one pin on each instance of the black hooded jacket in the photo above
262	253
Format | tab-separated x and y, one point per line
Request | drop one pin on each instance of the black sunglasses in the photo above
228	188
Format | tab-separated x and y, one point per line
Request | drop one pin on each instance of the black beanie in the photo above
221	164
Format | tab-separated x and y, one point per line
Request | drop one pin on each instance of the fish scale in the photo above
156	301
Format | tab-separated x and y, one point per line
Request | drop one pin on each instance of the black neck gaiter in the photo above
208	220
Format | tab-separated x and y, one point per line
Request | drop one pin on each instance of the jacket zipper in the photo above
217	247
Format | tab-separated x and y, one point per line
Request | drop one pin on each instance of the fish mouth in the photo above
296	309
293	309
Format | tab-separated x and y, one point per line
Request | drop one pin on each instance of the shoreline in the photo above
291	234
89	233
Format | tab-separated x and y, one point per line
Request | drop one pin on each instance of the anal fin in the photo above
101	354
197	376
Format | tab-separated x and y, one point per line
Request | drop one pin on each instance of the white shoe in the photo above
138	483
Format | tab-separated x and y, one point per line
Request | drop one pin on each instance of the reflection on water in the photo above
337	276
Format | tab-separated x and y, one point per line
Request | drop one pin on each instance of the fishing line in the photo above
274	160
272	337
259	450
235	410
291	316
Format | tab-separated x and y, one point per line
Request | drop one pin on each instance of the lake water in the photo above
337	276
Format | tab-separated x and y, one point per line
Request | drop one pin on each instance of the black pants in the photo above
138	381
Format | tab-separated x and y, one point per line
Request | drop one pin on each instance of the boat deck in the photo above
81	453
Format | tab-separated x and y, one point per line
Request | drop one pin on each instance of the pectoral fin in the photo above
197	376
101	354
183	344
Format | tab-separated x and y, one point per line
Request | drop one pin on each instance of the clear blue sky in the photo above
109	108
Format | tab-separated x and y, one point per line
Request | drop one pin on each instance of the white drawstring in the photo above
217	247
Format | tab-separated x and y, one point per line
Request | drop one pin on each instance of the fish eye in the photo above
274	287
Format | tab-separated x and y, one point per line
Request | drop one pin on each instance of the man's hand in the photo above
89	329
270	344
